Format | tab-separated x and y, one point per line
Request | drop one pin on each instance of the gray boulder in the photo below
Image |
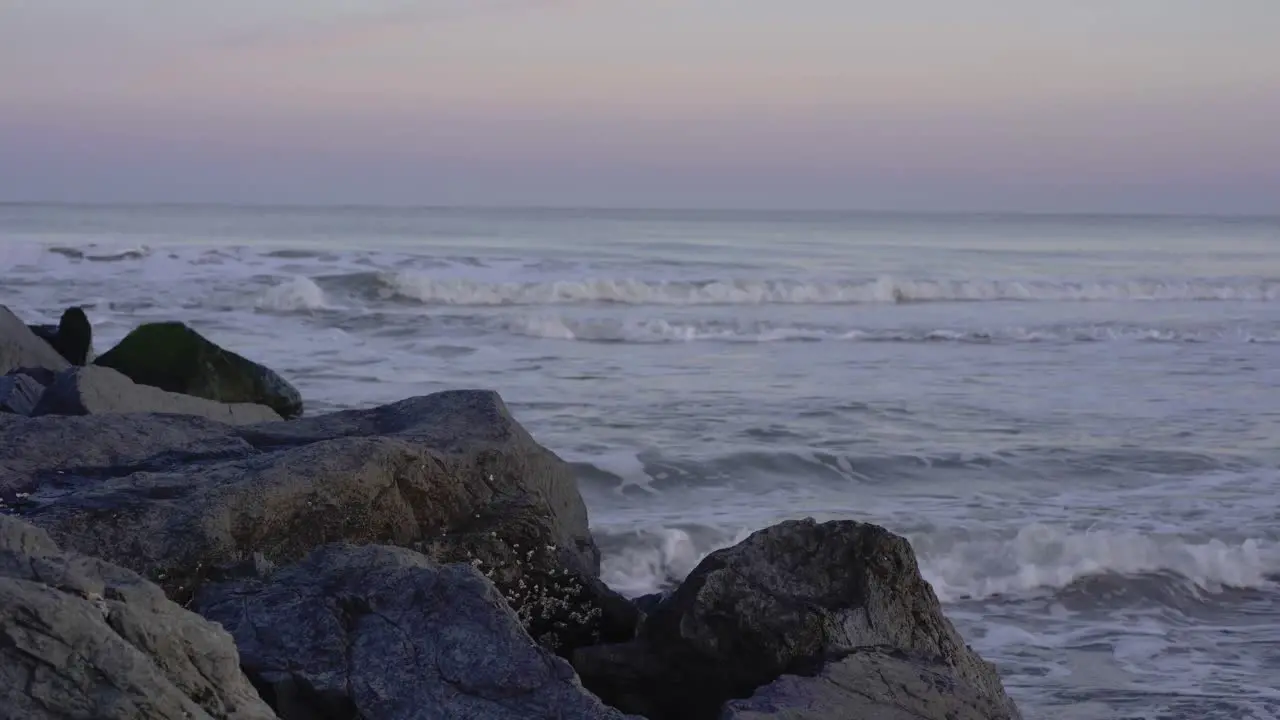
451	475
19	393
385	633
875	683
20	348
787	600
85	639
93	390
59	455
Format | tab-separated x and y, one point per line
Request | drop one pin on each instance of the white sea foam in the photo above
662	330
437	290
653	330
1038	559
659	558
297	293
1044	558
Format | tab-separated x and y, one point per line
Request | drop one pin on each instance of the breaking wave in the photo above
1048	558
655	560
1039	559
433	290
1028	547
295	294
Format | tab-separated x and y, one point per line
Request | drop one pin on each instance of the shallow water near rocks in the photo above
1074	419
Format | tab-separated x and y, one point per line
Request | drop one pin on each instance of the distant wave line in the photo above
432	290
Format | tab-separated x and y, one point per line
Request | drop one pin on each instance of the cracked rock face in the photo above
788	600
382	632
80	637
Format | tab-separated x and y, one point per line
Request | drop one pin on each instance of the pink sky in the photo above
1165	105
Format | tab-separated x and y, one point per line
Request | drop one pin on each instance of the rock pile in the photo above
158	368
168	554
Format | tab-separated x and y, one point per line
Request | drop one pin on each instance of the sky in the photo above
981	105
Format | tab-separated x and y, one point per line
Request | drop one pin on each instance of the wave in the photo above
655	560
293	295
1038	560
94	253
660	330
1042	558
771	469
433	290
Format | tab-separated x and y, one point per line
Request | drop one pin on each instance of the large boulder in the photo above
81	638
21	348
95	390
788	600
72	337
452	475
19	393
383	632
171	356
58	455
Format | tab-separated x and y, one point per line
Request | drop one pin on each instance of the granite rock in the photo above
81	638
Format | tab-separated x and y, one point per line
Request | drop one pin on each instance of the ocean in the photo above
1074	419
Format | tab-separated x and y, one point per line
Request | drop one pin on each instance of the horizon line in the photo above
603	209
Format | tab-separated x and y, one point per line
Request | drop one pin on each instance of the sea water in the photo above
1075	420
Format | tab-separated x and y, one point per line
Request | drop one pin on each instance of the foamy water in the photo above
1074	420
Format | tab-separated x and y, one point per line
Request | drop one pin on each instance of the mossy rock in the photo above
173	357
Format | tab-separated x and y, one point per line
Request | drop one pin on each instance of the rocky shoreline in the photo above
176	549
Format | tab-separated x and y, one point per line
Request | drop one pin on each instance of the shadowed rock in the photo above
787	600
72	337
96	390
382	632
873	683
81	638
173	357
19	393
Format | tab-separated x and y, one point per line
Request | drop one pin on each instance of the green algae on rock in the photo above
173	357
